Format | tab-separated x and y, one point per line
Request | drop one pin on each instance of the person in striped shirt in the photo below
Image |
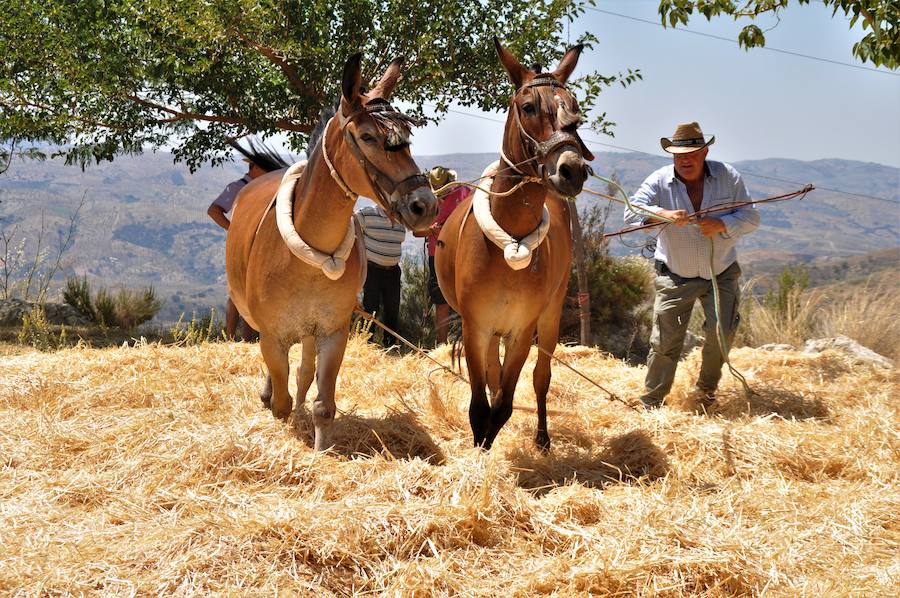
381	293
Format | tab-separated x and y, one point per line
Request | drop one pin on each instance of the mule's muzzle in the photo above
417	209
566	174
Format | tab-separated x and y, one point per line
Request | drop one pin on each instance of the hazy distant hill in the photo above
144	220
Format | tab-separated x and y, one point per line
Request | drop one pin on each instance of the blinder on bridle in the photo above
560	137
398	127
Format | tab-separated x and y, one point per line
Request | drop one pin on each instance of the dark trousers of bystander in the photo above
381	295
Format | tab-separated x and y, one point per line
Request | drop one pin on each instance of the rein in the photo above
334	264
539	150
516	252
383	185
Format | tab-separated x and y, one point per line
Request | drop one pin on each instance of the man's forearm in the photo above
218	216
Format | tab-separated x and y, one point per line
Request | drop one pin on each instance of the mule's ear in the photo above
567	64
389	79
512	65
352	79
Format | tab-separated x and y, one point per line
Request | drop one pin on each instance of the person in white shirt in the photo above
259	163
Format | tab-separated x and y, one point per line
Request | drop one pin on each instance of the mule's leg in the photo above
493	365
548	335
306	371
330	351
265	394
516	353
275	355
475	342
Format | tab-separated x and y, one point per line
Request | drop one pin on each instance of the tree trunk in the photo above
584	297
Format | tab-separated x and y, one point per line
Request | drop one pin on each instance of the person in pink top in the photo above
450	198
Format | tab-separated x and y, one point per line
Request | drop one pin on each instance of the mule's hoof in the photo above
281	413
542	441
483	443
322	440
266	401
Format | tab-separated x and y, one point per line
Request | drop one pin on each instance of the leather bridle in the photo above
383	185
538	151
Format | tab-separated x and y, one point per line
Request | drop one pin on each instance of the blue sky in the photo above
758	103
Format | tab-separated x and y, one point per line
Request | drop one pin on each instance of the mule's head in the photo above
377	137
542	125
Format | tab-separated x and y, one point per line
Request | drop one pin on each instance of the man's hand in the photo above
711	226
680	217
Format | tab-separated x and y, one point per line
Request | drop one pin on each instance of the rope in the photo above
371	318
711	210
611	395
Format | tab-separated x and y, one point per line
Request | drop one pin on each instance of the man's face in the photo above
690	166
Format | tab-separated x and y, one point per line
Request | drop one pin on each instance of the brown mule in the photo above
494	300
290	301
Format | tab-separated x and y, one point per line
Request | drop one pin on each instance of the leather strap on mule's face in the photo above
383	185
559	138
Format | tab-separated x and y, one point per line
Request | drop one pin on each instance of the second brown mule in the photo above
543	154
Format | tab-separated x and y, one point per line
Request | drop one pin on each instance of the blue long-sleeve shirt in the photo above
685	251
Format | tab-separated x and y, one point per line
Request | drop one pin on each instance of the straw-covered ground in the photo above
153	470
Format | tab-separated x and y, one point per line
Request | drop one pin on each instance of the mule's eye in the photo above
528	109
367	138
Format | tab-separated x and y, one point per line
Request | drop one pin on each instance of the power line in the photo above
819	187
728	39
637	151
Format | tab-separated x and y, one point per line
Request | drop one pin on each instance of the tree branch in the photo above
181	115
23	103
280	61
868	17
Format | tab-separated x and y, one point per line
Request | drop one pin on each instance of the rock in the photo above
849	347
777	347
12	311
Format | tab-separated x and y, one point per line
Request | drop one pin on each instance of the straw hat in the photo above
688	138
440	176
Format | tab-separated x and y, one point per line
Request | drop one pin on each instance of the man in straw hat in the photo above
684	257
449	198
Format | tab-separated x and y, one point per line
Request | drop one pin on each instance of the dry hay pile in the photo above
154	471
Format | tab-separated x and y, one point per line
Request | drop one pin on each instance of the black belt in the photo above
380	267
661	267
663	270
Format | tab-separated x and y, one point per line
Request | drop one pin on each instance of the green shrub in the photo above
416	311
127	308
37	333
791	284
105	308
618	286
133	308
78	294
207	329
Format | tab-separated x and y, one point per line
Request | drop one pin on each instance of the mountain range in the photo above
144	217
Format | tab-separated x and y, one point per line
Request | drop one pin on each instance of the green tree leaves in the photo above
106	77
881	18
